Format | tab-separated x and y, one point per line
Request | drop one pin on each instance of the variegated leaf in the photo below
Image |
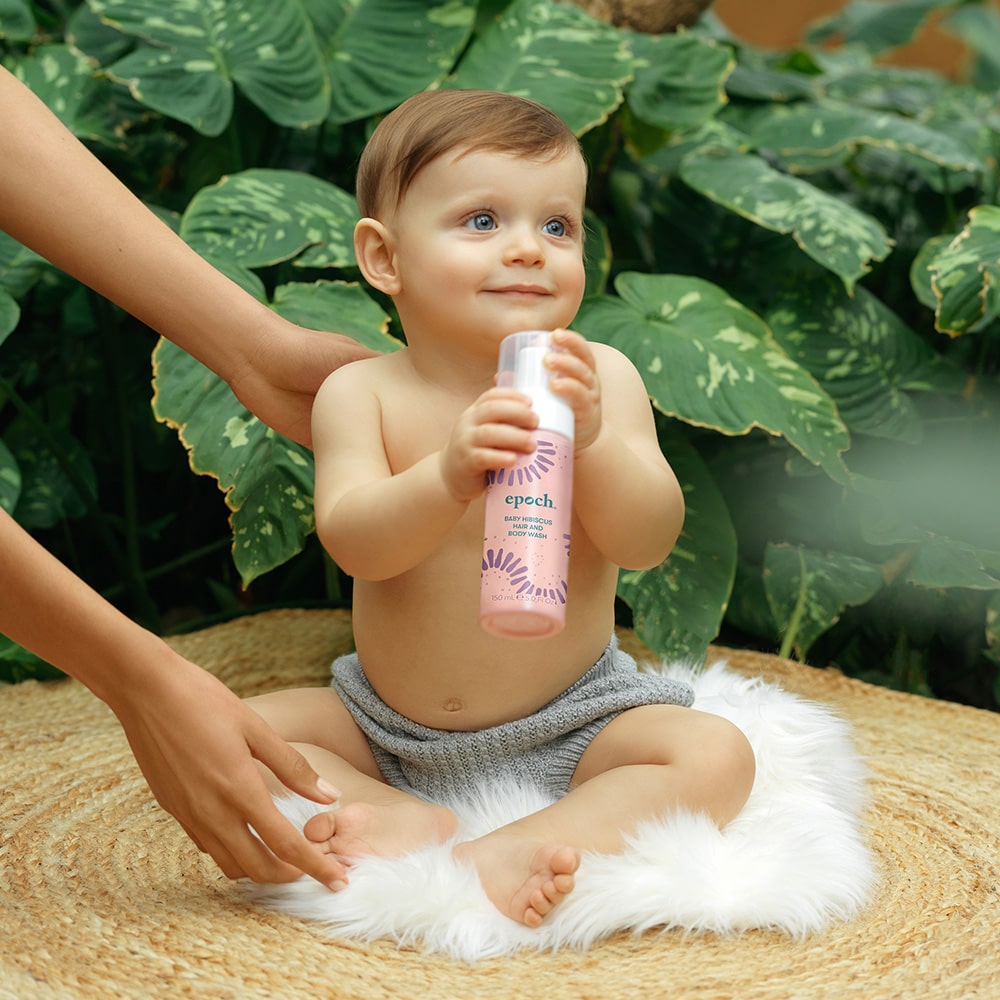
266	478
553	53
199	49
679	79
260	217
863	355
679	605
828	229
808	591
817	136
876	25
710	361
379	52
17	23
965	275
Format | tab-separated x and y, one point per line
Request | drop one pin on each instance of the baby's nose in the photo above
524	247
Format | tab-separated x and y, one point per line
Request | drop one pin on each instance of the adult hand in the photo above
194	741
289	363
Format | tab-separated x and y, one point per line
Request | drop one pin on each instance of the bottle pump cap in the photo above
522	366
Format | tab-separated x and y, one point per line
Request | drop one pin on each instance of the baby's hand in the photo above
574	377
493	432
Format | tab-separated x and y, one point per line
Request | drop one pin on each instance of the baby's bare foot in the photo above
522	878
384	830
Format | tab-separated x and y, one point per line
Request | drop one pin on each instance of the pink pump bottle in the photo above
529	506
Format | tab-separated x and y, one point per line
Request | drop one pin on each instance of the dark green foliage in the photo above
799	250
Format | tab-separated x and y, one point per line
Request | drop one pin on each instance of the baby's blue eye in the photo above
555	227
483	222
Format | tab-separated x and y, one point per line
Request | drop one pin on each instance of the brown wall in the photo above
780	24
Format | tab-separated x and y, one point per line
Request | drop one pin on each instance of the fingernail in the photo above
336	886
327	789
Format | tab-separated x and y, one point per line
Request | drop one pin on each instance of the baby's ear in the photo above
376	256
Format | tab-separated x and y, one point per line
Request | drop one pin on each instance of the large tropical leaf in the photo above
965	275
679	605
807	591
679	79
198	50
267	479
828	229
10	314
17	23
862	353
979	28
261	217
20	267
877	25
710	361
379	52
818	136
553	53
10	479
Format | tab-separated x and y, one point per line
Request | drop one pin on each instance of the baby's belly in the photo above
450	674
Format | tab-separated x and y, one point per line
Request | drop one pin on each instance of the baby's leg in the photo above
372	817
646	762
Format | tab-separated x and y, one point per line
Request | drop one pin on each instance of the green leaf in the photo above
979	28
17	665
679	79
861	353
17	23
379	52
993	630
813	137
20	268
831	231
942	562
965	275
198	51
338	306
711	362
261	217
808	591
679	605
10	480
555	54
61	78
267	479
47	495
877	25
10	314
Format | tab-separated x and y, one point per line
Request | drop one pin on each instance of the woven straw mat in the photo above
102	896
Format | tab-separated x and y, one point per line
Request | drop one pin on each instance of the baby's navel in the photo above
453	705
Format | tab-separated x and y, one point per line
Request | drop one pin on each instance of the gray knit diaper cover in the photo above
542	749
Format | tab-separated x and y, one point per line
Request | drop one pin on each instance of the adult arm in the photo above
59	200
193	738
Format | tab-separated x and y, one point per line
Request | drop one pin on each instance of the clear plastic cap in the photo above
522	366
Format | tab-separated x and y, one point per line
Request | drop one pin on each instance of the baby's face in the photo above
488	244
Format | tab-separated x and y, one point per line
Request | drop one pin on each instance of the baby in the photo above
472	206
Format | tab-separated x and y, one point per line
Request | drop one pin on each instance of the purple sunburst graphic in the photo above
541	462
513	566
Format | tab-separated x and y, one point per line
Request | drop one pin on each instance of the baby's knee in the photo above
732	757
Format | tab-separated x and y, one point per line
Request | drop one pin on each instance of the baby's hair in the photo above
434	122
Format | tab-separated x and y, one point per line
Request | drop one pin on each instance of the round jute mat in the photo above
102	896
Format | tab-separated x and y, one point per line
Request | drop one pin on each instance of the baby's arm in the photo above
377	523
624	492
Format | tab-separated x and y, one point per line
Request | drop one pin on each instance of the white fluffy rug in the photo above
793	860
